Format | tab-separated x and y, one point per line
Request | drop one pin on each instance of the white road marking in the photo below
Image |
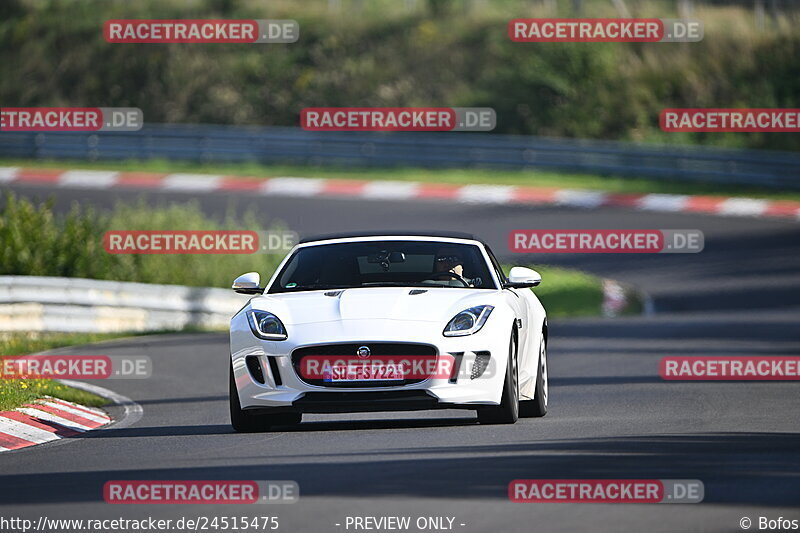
77	412
579	198
293	186
663	202
89	179
191	182
132	411
8	174
485	194
743	207
38	413
392	190
26	431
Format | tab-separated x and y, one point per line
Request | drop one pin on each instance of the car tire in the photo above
508	410
537	407
244	422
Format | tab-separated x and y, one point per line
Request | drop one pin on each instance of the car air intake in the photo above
457	358
276	373
481	362
254	366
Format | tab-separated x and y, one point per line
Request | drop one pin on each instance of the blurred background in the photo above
569	116
413	53
577	119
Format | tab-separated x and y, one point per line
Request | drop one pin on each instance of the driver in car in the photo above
448	263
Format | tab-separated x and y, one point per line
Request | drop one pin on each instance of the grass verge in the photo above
529	178
568	293
36	240
17	392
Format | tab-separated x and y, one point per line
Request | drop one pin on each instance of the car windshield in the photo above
384	264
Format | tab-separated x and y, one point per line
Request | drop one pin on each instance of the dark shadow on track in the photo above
361	425
160	431
737	468
223	429
604	380
188	399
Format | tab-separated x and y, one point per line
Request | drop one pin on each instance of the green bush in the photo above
36	242
566	292
378	54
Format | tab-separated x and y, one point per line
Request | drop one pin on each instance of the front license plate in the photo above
372	371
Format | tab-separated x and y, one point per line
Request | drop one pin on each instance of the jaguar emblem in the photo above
363	352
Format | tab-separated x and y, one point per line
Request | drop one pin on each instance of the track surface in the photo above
611	416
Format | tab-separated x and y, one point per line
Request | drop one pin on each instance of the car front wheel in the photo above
537	407
245	422
508	410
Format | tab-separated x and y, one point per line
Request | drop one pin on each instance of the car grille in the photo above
380	350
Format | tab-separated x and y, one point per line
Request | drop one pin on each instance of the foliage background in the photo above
408	53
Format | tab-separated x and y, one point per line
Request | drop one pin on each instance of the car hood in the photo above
389	303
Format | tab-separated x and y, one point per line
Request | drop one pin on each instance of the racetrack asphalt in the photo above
611	416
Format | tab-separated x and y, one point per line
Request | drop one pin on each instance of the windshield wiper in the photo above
317	287
399	284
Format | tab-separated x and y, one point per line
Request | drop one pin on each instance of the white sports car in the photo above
382	322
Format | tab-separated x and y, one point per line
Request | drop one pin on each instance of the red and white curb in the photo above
46	420
403	190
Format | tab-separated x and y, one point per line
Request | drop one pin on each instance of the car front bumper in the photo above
283	389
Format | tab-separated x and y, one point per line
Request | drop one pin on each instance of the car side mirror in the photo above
248	284
522	277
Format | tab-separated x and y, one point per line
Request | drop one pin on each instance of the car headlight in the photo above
265	325
468	321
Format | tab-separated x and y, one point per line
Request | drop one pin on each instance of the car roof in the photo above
393	233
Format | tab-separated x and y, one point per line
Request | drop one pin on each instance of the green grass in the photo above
30	342
17	392
568	293
530	178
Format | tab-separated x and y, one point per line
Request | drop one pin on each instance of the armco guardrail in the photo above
292	145
29	303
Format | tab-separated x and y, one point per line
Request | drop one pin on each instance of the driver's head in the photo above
448	260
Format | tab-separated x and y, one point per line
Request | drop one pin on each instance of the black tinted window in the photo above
384	263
